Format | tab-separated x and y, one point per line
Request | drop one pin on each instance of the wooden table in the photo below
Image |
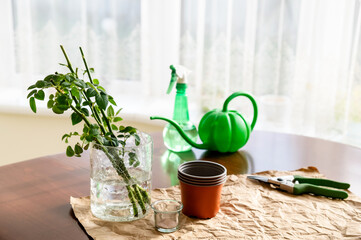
34	195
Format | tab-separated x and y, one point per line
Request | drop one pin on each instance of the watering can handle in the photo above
254	104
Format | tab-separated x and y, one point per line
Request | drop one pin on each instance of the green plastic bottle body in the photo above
172	139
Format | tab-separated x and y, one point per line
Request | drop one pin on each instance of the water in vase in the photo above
109	195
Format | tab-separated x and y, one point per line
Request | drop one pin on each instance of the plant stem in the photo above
131	197
96	116
86	65
93	110
91	80
67	59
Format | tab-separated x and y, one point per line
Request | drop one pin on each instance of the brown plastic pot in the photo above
200	201
201	185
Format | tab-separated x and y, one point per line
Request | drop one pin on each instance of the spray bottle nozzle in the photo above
179	74
172	68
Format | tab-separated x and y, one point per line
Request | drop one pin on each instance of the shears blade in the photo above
259	178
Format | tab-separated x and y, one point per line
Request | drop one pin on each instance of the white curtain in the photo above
300	59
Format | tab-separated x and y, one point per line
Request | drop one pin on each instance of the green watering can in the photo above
221	130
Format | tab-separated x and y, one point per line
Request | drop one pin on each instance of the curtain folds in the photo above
300	59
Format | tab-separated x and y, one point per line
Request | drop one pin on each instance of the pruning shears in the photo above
298	185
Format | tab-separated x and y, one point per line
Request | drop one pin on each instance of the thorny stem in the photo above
91	80
96	116
86	65
67	59
95	113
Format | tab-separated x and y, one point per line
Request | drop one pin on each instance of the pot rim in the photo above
212	183
195	185
200	162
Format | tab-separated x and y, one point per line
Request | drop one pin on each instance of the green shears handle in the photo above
321	182
310	188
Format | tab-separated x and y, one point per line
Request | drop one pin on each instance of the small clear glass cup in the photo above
166	215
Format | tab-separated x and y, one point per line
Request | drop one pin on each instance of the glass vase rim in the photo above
148	141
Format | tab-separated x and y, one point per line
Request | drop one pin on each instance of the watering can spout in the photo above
182	133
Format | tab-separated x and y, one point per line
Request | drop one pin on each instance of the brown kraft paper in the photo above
249	210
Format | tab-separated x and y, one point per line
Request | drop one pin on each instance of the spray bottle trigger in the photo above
173	79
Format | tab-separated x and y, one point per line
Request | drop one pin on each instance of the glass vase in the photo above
120	179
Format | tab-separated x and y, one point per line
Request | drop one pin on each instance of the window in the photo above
300	59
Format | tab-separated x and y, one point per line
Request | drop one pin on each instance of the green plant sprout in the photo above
88	100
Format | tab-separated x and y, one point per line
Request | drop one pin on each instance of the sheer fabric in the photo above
300	59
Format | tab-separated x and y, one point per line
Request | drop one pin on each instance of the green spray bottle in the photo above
172	139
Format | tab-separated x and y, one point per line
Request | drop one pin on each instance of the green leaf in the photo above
89	138
51	96
75	118
102	89
69	78
110	111
65	136
102	100
111	100
137	163
31	87
96	81
40	95
117	119
94	130
132	158
128	129
115	128
69	151
80	83
78	149
31	93
62	99
136	139
50	103
65	84
75	93
49	78
32	104
91	70
40	84
85	111
56	110
90	92
86	147
120	109
85	129
62	107
86	103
